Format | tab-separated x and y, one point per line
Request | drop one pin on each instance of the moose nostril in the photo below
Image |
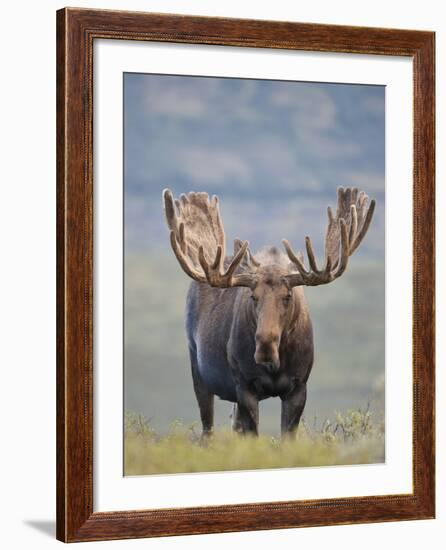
271	366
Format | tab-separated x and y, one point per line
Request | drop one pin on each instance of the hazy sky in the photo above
250	141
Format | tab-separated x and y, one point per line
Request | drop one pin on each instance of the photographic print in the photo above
254	281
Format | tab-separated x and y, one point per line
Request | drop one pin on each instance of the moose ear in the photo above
248	263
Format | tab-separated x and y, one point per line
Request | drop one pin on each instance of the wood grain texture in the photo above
76	31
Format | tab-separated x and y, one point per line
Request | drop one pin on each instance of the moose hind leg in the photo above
236	420
204	397
292	407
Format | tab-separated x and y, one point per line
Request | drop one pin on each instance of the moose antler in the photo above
345	233
197	237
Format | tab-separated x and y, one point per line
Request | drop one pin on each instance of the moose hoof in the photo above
205	437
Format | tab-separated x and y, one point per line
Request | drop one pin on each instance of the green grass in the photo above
352	438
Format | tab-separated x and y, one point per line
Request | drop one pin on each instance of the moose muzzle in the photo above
267	350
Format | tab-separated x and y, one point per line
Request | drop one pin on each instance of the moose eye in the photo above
254	298
287	299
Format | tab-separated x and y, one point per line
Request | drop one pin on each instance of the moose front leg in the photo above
292	407
247	412
205	399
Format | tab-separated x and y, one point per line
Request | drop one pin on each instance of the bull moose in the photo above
248	325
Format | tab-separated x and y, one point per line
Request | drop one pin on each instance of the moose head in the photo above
197	238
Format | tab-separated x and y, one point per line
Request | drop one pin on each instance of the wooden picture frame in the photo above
76	31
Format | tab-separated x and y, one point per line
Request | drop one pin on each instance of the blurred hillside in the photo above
349	342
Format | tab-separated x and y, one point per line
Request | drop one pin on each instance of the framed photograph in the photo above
245	275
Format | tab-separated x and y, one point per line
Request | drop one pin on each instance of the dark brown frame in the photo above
76	31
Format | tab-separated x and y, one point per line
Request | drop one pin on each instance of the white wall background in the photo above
27	125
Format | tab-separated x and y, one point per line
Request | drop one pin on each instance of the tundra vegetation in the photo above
355	437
